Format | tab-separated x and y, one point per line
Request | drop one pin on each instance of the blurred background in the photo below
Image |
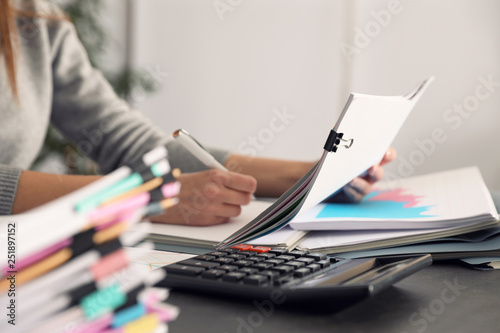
270	77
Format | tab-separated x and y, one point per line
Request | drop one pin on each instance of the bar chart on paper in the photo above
383	204
445	199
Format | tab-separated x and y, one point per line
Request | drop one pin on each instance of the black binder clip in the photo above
335	140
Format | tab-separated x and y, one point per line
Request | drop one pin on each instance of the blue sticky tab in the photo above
127	315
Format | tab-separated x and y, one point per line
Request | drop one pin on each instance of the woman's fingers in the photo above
209	197
374	174
233	180
390	155
357	189
362	185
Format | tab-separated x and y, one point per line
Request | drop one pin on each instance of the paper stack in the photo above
66	268
424	211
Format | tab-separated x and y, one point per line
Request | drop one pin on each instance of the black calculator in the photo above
259	272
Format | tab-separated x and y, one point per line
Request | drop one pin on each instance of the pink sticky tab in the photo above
113	262
171	189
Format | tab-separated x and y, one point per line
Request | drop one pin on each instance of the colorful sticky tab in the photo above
102	301
128	315
147	323
242	247
171	189
260	249
109	264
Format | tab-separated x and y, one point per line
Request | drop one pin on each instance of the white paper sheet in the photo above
215	233
443	199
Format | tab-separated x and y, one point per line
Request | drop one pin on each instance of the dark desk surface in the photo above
423	302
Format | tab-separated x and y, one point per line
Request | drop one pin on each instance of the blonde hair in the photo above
9	43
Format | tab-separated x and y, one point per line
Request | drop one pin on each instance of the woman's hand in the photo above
209	197
214	196
362	185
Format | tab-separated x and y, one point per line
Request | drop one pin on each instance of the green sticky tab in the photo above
158	170
103	301
126	184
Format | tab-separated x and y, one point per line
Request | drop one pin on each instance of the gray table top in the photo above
441	298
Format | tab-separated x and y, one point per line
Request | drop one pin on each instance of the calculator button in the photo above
260	249
248	270
236	256
295	264
230	250
256	259
228	268
275	261
256	280
204	258
301	272
233	276
217	254
266	255
283	269
282	280
277	251
306	260
286	257
243	263
246	253
316	256
297	253
224	260
262	265
271	275
198	263
184	270
314	267
213	273
323	263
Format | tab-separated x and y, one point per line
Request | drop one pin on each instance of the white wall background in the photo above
115	21
224	77
458	41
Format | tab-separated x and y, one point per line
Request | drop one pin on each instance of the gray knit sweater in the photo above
58	85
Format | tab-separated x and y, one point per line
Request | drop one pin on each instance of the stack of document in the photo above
191	238
476	247
439	200
66	268
414	210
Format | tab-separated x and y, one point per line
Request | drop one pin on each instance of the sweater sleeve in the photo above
88	112
9	178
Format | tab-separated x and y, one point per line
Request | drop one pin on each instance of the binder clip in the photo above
335	140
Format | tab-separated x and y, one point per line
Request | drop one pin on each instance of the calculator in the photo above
259	272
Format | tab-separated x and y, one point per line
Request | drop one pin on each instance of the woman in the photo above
47	78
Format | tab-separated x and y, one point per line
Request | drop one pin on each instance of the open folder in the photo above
366	127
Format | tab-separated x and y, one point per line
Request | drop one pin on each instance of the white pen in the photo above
195	148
